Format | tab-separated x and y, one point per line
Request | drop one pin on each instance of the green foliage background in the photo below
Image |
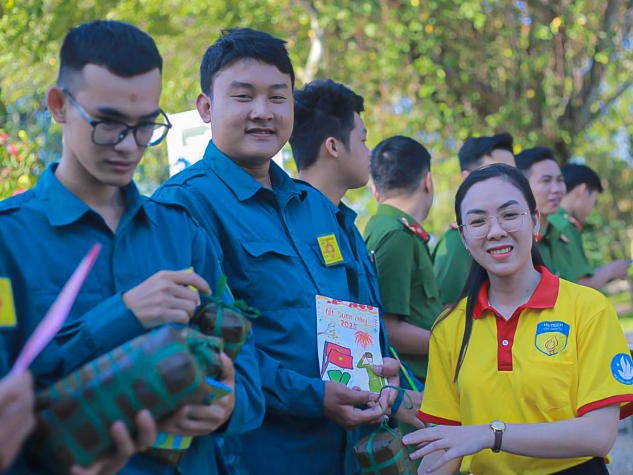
554	73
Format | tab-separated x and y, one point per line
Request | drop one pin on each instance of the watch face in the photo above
498	425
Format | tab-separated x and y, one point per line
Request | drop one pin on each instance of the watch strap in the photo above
498	436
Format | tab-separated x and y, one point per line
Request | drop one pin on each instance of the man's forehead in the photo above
359	124
97	72
114	96
251	70
548	167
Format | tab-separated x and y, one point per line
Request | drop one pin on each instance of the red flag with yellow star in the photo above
337	355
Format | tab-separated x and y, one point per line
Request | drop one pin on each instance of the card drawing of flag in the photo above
337	355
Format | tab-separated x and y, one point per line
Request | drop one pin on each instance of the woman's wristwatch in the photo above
498	428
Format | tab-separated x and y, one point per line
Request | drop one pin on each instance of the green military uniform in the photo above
451	263
562	254
405	272
572	230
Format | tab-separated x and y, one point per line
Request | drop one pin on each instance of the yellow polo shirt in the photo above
560	355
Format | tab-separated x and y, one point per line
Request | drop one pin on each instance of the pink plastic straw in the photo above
57	313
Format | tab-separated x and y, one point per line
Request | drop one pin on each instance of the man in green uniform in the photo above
451	261
583	187
403	186
546	180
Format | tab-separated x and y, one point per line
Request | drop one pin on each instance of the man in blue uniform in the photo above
107	100
282	246
329	148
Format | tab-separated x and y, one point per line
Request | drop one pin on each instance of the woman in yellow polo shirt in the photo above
528	373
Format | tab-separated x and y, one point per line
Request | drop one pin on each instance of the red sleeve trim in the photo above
429	419
625	410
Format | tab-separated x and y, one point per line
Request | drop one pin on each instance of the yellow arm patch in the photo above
7	307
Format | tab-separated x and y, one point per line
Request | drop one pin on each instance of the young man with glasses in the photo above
154	259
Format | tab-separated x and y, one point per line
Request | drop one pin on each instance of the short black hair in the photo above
123	49
575	174
323	108
528	157
475	148
398	164
243	43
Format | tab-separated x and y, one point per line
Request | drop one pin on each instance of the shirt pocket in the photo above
338	279
547	385
269	269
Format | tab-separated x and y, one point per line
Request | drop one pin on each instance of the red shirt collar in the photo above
544	295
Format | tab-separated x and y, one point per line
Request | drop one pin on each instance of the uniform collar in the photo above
62	207
345	215
241	183
571	219
348	214
553	232
388	210
415	228
544	295
405	219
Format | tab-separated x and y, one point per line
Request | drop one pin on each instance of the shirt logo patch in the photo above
329	249
622	368
551	337
7	308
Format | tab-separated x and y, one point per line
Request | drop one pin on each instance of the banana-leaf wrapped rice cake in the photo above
383	453
214	317
161	371
227	321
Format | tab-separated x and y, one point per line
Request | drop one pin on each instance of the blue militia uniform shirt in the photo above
44	234
366	282
273	261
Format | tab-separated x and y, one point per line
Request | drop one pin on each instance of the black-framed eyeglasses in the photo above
113	132
510	221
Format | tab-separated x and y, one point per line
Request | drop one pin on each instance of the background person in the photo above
403	187
107	100
451	261
269	229
583	187
540	167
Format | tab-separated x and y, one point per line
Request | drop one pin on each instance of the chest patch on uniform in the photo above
551	337
7	308
330	250
622	368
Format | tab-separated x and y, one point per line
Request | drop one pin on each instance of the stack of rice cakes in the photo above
160	371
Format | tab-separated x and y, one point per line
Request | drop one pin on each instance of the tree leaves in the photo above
551	73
